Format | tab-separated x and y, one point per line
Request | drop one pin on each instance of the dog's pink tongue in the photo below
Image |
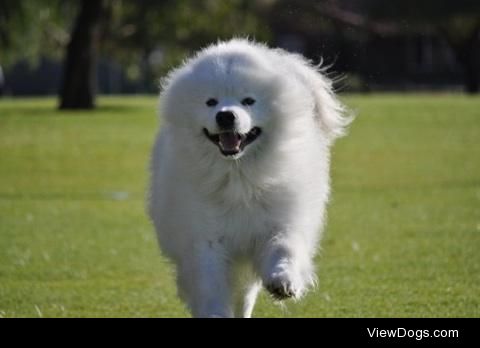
229	141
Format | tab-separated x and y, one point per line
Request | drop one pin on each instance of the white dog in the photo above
240	174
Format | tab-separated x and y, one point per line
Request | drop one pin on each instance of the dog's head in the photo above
234	96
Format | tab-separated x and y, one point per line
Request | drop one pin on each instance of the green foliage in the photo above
402	238
173	29
31	29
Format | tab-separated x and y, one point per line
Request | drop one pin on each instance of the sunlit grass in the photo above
403	236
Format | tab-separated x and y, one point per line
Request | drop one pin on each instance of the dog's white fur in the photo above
234	224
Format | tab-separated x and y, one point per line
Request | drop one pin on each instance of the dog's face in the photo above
229	101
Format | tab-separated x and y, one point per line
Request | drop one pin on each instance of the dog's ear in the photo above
330	112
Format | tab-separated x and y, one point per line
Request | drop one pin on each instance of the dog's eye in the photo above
248	101
212	102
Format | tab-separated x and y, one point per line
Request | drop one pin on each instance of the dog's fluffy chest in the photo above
241	228
245	216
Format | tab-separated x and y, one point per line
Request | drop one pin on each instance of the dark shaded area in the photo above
394	45
41	79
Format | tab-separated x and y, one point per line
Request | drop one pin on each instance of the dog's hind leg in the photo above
245	299
203	283
245	286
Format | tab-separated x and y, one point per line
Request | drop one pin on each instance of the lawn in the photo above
402	240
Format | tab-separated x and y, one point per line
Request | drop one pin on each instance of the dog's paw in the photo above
281	287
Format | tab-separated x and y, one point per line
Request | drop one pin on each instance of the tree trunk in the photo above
79	71
472	68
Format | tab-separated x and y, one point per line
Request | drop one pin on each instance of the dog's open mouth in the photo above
232	143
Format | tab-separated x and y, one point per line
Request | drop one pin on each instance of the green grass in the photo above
403	238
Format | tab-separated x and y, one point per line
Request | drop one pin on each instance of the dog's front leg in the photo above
286	267
206	279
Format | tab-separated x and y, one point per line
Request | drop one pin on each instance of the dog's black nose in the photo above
225	119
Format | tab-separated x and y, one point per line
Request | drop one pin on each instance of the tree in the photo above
79	72
30	30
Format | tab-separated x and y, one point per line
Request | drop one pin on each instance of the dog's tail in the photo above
331	113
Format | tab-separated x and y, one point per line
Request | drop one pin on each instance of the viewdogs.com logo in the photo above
410	333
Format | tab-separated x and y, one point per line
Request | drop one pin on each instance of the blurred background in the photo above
78	49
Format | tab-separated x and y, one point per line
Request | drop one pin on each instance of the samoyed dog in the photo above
240	174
